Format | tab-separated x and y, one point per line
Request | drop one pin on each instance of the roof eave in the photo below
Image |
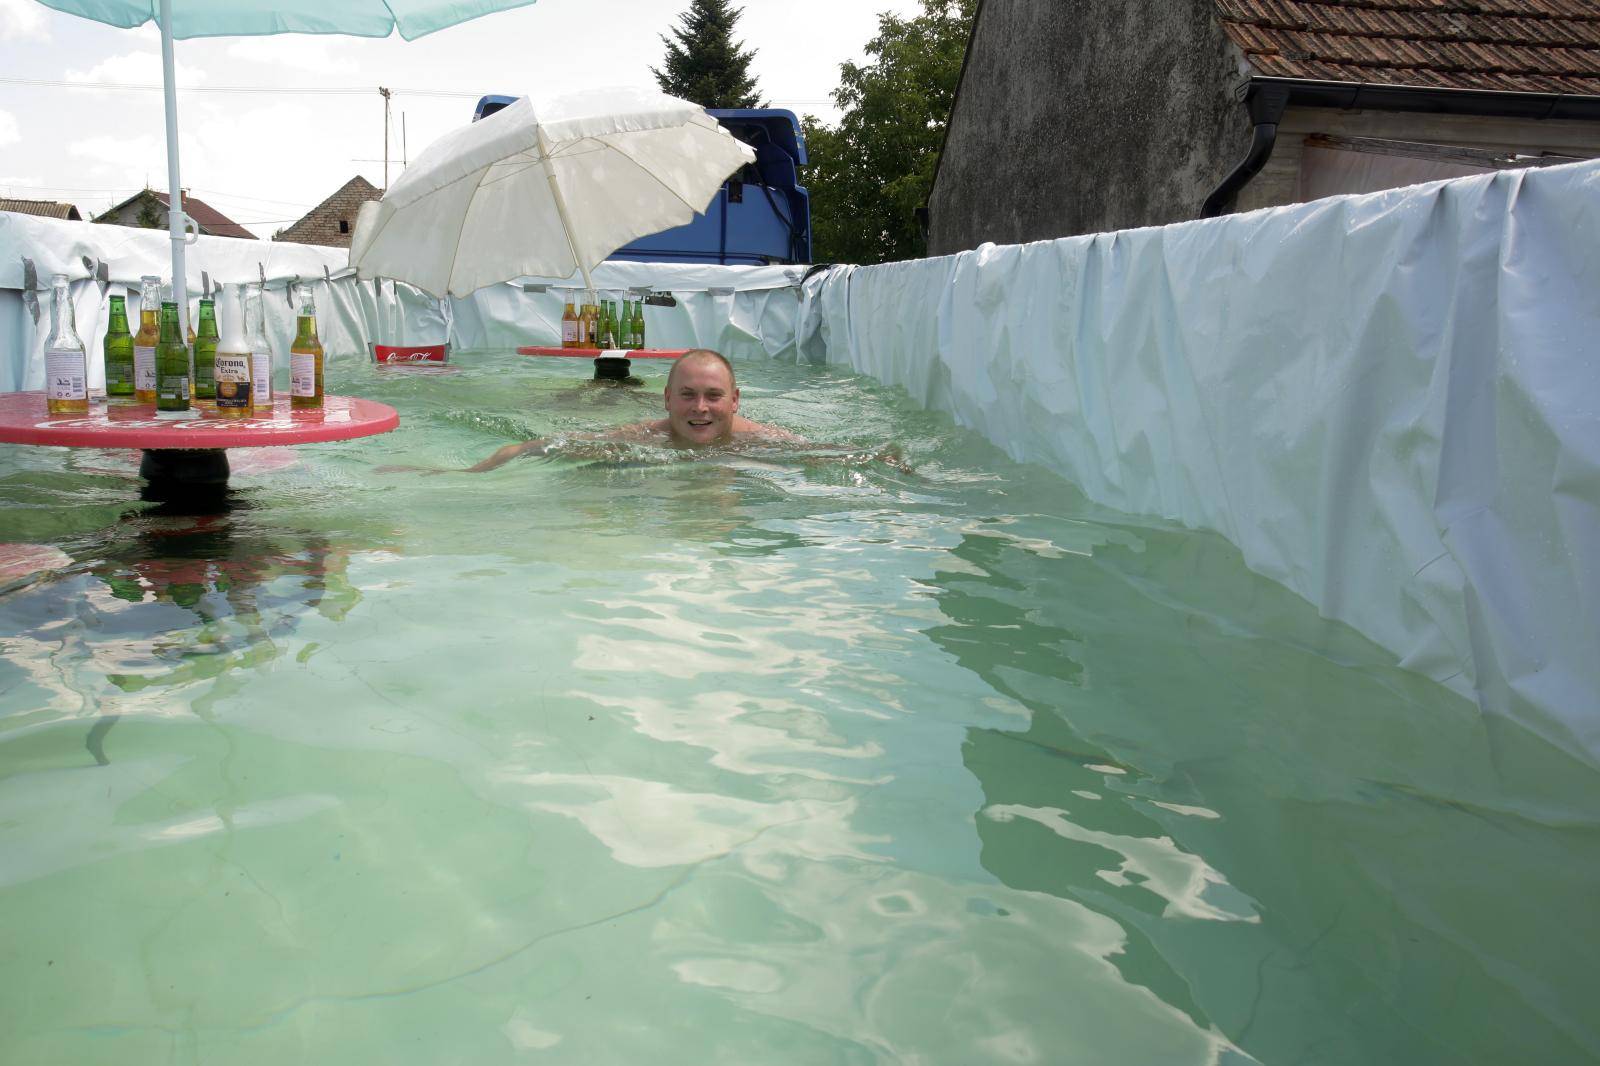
1374	96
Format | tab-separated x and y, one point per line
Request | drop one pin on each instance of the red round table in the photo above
610	364
185	449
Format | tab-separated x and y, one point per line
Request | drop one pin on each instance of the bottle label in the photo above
569	331
233	379
118	374
173	387
302	374
261	379
66	374
144	369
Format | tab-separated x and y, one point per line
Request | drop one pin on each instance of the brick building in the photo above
333	221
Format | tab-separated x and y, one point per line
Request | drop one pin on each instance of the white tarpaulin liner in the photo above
737	308
1390	403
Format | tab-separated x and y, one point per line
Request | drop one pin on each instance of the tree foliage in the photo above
150	211
704	64
871	173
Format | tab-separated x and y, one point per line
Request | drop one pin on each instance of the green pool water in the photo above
761	757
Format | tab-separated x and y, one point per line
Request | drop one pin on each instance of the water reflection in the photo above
1308	848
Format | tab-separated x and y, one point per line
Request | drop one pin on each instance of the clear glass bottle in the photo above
305	358
205	352
66	366
255	335
172	363
119	352
569	325
144	342
231	363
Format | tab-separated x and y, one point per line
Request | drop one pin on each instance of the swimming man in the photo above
702	401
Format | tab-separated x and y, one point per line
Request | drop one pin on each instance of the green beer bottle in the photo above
205	353
119	351
172	363
305	358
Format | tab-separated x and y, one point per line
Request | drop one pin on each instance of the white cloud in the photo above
22	20
117	151
9	134
321	54
135	68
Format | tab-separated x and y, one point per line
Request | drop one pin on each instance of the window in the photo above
344	225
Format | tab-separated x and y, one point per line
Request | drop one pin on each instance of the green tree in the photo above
150	211
704	63
871	173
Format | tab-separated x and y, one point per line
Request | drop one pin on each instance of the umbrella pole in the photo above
175	216
561	210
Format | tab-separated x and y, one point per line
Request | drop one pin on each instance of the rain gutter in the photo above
1267	98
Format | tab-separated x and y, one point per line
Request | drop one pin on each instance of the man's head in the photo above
701	398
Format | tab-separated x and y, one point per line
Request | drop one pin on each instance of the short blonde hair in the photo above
702	353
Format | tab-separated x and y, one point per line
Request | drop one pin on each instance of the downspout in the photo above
1266	104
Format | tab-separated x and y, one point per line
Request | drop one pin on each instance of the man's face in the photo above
701	402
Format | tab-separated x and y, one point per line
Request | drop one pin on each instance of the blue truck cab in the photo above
761	215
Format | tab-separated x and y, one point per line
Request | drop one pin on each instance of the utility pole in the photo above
385	94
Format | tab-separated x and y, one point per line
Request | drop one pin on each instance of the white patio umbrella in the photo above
183	19
543	188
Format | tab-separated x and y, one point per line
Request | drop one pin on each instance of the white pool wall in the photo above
1390	403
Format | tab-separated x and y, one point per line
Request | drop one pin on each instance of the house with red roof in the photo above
149	209
1102	114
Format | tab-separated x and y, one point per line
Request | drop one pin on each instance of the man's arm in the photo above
508	453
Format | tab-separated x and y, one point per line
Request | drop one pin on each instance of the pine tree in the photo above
704	64
150	211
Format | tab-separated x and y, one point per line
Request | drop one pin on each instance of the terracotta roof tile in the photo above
44	208
1506	45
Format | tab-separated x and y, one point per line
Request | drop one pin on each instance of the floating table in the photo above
610	364
183	451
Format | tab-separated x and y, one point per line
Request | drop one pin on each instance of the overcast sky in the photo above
266	156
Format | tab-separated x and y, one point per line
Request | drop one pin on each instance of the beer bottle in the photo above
205	352
607	325
66	366
232	361
638	324
172	362
569	326
305	359
255	334
144	342
119	351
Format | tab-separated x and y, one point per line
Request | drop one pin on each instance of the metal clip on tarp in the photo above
30	282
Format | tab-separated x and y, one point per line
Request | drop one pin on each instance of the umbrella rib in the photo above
449	278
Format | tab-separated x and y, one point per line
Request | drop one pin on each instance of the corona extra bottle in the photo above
205	352
172	363
66	367
144	342
119	352
255	334
305	359
232	361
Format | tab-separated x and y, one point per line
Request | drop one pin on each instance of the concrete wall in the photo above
1081	116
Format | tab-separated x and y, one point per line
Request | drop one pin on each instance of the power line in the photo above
311	90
